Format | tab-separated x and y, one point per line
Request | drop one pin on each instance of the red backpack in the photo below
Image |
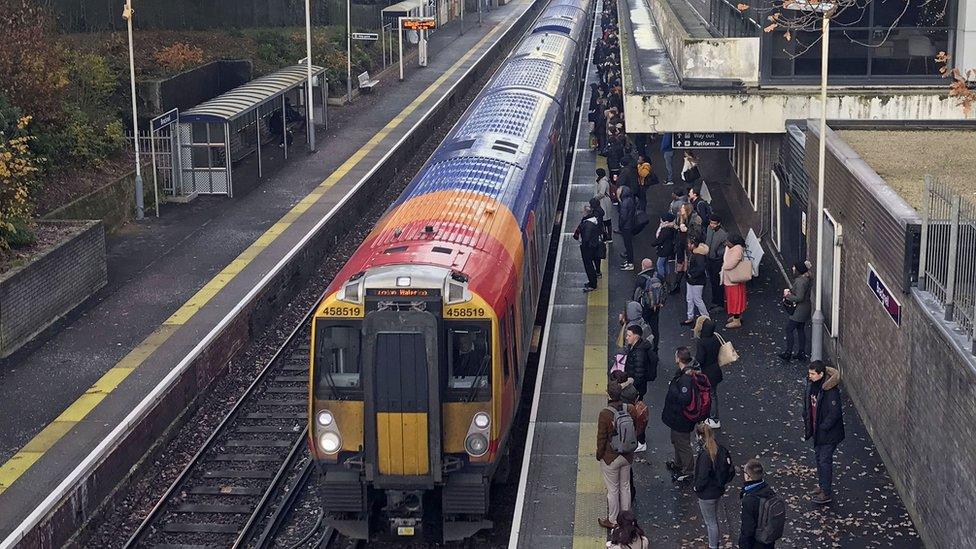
701	398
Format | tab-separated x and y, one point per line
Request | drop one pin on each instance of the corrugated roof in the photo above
243	99
405	6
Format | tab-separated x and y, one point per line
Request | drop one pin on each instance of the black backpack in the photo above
724	469
772	519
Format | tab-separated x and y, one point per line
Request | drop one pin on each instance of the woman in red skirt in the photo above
736	271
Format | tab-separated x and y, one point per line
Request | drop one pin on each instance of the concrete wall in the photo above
36	295
913	385
767	110
113	203
705	58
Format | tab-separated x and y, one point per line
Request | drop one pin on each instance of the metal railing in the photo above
947	260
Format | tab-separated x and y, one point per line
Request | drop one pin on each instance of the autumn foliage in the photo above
961	82
18	172
179	56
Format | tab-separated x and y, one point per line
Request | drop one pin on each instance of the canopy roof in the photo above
243	99
402	7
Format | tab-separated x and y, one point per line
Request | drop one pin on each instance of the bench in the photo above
365	83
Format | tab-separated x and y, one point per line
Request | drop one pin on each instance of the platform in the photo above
177	284
561	492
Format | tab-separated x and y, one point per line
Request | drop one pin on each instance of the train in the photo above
419	347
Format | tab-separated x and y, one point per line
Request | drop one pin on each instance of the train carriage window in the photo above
337	359
469	361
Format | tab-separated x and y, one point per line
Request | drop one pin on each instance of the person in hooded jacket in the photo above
706	353
628	222
679	395
651	314
823	421
628	178
664	242
754	490
589	234
695	287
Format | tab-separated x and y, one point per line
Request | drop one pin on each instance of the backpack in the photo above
704	211
701	398
724	470
772	519
651	295
624	439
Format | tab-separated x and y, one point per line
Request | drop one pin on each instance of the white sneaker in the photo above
641	447
713	423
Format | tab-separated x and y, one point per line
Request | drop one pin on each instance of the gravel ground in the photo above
903	159
115	523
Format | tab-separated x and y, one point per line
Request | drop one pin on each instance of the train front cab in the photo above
407	405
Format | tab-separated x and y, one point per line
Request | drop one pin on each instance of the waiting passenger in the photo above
759	530
713	471
616	441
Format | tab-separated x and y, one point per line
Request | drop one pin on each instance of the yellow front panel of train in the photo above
402	443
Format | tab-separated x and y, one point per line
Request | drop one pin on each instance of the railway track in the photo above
239	487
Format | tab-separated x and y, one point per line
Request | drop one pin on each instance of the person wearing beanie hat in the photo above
796	299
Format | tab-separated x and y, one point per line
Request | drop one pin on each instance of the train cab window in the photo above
337	360
469	362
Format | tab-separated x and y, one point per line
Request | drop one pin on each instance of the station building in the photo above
906	342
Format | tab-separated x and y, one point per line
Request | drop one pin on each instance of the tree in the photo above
18	171
32	68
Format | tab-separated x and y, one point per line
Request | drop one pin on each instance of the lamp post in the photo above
127	14
817	321
349	51
310	106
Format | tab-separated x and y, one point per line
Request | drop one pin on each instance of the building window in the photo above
878	40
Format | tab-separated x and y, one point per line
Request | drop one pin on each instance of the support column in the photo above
965	57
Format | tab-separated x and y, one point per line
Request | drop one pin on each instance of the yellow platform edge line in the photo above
590	494
20	462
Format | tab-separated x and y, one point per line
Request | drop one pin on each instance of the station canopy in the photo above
244	99
402	9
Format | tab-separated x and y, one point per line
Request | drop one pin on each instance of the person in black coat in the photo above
627	222
615	154
754	489
706	353
713	469
679	395
823	420
589	233
641	359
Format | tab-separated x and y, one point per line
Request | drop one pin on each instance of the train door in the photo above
404	416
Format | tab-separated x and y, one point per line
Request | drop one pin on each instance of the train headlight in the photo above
330	442
476	444
325	418
481	420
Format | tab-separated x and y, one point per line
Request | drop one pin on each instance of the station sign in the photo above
165	120
885	296
419	23
685	140
369	36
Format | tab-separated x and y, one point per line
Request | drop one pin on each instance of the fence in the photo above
947	263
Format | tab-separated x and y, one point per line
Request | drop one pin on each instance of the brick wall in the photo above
36	295
913	386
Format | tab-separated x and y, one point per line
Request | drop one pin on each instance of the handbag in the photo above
619	363
742	272
726	352
790	306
